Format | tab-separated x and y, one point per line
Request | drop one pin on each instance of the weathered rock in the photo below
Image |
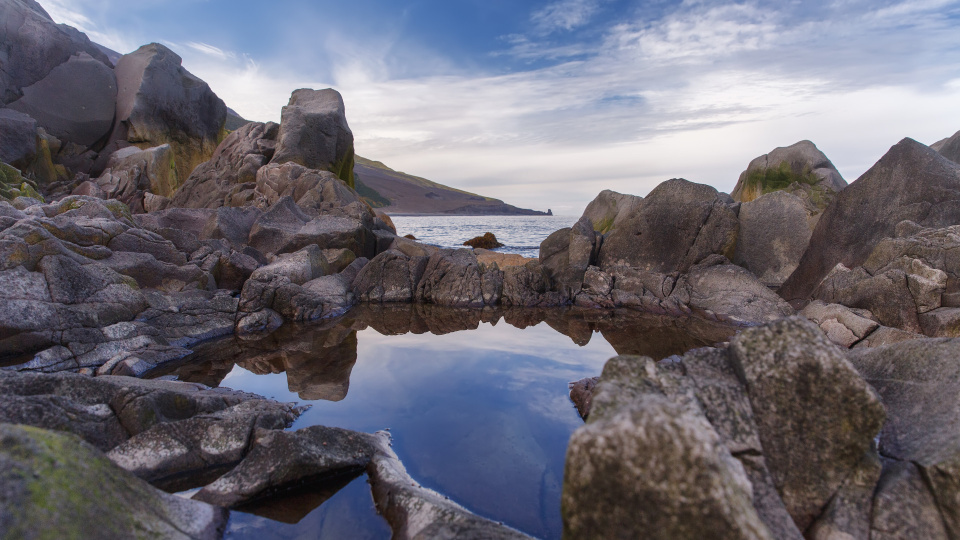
581	394
279	460
391	276
773	236
75	101
55	484
949	147
566	255
729	293
677	225
233	165
318	192
18	138
801	163
648	465
183	454
815	416
848	515
414	511
160	102
314	133
133	173
451	278
887	295
32	45
610	208
910	182
942	322
841	324
886	336
903	506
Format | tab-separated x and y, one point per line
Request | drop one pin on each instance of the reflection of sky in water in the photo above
481	416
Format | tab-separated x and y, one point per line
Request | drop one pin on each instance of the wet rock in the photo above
773	236
414	511
314	133
280	460
677	225
183	454
74	102
801	163
56	468
486	241
815	416
260	322
910	182
581	394
610	208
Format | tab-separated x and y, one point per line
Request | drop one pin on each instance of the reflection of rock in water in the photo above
318	358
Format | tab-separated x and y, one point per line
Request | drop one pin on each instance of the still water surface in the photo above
476	400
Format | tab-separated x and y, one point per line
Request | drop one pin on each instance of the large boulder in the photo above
75	102
773	236
566	255
610	208
133	174
949	147
815	416
160	102
18	138
801	163
55	485
910	182
232	168
32	45
677	225
649	464
314	133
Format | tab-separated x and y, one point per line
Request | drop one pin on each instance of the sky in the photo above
544	103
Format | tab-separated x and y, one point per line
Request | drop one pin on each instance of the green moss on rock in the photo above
777	178
13	184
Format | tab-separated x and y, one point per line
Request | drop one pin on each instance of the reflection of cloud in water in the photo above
476	400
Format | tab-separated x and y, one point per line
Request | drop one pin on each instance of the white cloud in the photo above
564	15
209	50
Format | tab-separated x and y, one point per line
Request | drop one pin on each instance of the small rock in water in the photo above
487	241
410	236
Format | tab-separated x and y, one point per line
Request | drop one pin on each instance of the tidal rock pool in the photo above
476	400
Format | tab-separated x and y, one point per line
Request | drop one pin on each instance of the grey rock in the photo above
773	236
182	454
391	276
259	323
451	278
56	468
842	325
414	511
677	225
280	460
159	102
527	286
75	101
314	133
942	322
300	267
949	147
886	336
887	295
800	159
132	174
610	208
18	138
647	465
848	515
815	416
903	506
566	254
581	394
33	45
234	164
910	182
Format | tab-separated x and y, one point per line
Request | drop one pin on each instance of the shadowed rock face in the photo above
33	45
158	102
75	102
910	182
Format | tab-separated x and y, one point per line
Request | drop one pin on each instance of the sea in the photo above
519	234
